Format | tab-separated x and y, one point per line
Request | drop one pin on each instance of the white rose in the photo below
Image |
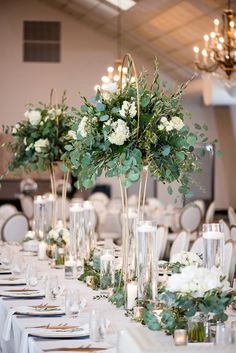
72	134
40	144
177	123
164	120
53	234
128	109
169	127
34	117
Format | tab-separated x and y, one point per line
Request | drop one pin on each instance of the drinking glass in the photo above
17	266
98	326
213	245
72	303
53	289
31	275
6	256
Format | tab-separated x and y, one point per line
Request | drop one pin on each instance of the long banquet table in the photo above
133	337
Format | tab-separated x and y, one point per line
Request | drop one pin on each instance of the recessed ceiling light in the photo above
122	4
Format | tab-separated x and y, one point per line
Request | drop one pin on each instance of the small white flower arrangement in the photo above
197	281
58	236
186	258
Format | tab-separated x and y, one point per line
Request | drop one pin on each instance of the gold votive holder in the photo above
91	281
138	313
180	337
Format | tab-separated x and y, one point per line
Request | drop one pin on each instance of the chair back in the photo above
190	218
197	246
181	243
227	235
233	233
210	213
201	205
229	260
162	233
7	211
231	216
15	228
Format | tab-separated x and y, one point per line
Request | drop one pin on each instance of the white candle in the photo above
132	293
42	250
213	235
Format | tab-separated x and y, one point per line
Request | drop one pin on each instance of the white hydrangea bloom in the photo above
177	123
197	281
120	132
40	144
53	234
83	127
34	116
187	258
128	109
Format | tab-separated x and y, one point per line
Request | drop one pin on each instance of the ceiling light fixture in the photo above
219	46
124	5
111	81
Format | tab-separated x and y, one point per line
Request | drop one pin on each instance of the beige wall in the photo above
85	55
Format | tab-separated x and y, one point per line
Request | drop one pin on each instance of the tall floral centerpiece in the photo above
130	132
38	141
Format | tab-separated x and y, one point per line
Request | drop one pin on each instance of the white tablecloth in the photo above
135	338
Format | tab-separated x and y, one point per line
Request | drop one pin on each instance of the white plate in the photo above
5	271
34	312
12	282
21	294
49	333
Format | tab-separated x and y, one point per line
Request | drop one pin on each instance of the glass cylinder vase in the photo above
198	328
51	214
40	218
129	224
90	220
147	260
213	245
107	269
78	243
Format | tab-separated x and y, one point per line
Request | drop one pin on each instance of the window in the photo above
41	41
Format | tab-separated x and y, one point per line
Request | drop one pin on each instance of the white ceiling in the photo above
167	29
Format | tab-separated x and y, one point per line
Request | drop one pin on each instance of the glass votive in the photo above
180	337
138	313
72	303
70	266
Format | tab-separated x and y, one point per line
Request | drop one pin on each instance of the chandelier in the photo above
219	50
111	80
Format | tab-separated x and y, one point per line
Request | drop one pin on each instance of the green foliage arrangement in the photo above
124	131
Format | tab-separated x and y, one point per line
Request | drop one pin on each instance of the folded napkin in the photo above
8	323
